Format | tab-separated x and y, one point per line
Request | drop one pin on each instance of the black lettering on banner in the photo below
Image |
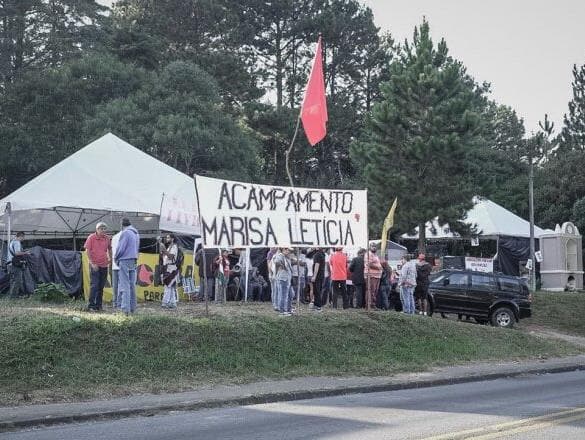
224	234
212	230
266	197
291	201
234	196
347	206
290	233
304	230
329	239
225	194
252	198
349	233
317	224
277	194
313	201
269	233
253	229
302	200
237	227
324	203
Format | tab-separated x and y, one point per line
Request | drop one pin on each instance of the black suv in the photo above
487	297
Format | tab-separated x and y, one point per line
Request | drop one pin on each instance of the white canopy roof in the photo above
103	181
490	219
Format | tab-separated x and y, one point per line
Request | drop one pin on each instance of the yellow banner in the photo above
145	269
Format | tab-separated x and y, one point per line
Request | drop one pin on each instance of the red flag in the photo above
314	108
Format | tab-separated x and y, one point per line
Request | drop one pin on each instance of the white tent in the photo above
490	219
104	181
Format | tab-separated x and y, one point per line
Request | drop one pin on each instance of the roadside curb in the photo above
47	417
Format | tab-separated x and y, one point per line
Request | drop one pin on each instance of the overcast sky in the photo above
524	48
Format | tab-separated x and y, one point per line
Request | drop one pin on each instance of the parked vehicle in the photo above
499	299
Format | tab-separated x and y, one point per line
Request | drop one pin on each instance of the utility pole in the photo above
531	209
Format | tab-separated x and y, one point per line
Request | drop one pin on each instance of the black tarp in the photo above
51	266
512	251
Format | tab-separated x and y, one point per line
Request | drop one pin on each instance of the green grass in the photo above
562	311
48	354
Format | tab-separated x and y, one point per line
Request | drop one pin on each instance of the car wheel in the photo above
503	317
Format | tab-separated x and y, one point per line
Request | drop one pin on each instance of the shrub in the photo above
51	292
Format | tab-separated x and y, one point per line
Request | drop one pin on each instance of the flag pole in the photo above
289	151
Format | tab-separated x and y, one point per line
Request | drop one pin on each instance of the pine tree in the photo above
419	137
572	136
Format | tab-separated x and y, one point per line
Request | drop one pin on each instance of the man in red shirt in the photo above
99	254
338	265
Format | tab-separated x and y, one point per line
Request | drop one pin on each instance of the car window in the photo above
483	282
457	280
509	285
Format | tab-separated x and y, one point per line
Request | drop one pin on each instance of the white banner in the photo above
479	264
236	214
178	211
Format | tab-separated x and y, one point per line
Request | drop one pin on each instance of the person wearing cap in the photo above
16	263
98	248
421	291
125	257
338	265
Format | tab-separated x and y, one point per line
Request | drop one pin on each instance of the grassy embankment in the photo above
560	311
53	353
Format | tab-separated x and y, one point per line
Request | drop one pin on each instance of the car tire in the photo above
503	317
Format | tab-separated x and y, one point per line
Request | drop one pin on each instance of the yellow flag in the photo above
388	223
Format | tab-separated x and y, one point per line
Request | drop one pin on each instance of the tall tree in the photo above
42	114
572	136
45	33
176	115
418	138
206	32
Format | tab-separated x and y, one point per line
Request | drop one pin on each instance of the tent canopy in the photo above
104	181
491	220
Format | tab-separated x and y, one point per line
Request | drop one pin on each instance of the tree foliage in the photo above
176	116
419	137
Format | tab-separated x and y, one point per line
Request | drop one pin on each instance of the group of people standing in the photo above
121	252
325	277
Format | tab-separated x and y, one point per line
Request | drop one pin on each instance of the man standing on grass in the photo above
317	279
99	254
283	276
126	257
356	268
407	284
16	262
421	292
338	265
372	273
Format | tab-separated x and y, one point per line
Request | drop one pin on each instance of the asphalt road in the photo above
532	407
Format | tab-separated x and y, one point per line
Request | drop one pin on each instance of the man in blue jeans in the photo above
407	285
125	257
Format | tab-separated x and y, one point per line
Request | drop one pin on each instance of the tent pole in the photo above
9	223
247	271
74	241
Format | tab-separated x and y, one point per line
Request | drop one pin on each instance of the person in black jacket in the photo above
210	256
356	267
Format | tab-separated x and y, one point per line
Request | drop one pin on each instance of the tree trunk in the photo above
422	231
279	67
